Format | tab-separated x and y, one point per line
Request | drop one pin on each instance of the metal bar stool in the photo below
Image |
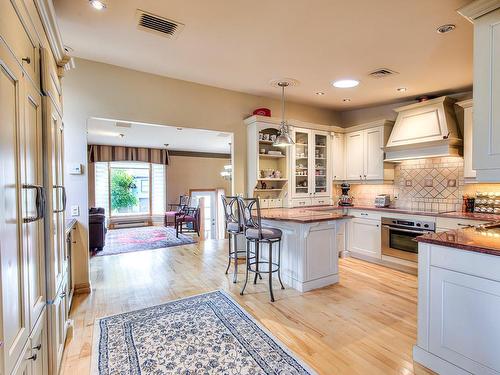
256	234
234	227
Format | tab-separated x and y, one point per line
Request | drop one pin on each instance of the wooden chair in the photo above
175	209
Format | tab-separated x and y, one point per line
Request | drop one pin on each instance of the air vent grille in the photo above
382	72
159	25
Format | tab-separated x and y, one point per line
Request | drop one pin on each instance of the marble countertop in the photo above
486	241
302	215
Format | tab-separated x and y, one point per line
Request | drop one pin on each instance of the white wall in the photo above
107	91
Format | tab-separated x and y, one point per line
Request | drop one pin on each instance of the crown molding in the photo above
478	8
47	15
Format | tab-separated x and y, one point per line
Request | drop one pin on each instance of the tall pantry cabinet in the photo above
30	260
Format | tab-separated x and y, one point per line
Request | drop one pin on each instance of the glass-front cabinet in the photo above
310	164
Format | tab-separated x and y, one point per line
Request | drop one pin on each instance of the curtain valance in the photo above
98	153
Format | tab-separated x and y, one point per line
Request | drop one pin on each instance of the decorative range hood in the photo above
424	130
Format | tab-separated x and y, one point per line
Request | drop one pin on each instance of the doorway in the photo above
209	210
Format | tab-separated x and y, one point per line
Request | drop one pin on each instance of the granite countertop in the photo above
486	241
301	215
451	215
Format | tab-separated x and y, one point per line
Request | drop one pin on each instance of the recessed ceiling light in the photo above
320	93
443	29
96	4
402	89
346	100
345	83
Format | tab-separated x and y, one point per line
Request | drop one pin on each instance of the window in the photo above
130	188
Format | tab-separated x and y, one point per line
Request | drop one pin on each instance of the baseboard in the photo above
83	288
436	363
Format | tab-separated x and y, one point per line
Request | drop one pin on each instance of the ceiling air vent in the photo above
158	25
381	73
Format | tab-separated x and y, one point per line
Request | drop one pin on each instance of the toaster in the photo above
382	200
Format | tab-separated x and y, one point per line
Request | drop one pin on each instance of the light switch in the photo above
75	210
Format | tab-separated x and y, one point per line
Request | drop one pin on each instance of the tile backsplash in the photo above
434	184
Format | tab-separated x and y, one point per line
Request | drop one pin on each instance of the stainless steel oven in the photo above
398	237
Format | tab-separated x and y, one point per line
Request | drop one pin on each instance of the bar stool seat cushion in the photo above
267	233
233	226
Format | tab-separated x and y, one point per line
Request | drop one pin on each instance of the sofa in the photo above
97	228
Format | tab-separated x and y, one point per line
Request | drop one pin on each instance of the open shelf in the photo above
268	189
267	156
272	179
261	141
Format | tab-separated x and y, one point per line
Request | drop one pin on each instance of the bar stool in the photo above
256	234
234	227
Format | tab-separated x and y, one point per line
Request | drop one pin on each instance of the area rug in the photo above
142	238
204	334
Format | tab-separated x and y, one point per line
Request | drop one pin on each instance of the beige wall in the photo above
186	172
101	90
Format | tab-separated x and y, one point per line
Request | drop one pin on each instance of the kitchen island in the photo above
310	245
459	301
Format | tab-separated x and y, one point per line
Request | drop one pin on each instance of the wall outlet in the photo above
75	210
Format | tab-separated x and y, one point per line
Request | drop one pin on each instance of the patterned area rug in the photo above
204	334
142	238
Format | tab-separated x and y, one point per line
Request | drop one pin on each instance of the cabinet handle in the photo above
39	201
365	176
38	347
363	214
62	295
32	358
27	60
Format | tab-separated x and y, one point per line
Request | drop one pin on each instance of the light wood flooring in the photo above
366	324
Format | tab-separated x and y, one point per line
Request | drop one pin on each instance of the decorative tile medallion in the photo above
204	334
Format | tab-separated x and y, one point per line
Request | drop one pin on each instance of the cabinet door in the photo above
487	95
354	155
55	242
463	327
13	257
365	237
321	253
58	318
300	172
24	364
469	172
320	169
338	166
39	347
32	175
373	155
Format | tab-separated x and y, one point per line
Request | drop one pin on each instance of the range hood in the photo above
424	130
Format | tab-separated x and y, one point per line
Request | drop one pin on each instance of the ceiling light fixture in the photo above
96	4
283	139
345	83
320	93
402	89
346	100
443	29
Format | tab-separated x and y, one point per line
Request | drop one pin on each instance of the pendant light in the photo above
284	139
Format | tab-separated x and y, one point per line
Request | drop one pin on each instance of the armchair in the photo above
175	208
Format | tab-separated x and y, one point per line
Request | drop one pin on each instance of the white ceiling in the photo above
242	45
105	132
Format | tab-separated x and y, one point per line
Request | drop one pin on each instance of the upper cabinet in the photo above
310	164
469	172
486	116
337	156
364	154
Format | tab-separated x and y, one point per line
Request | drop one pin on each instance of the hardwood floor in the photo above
366	324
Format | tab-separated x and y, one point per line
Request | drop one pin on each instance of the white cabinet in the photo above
337	157
469	172
364	237
364	155
458	307
310	164
486	139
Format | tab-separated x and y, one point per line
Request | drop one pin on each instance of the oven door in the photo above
400	242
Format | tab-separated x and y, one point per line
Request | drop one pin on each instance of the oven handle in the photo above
408	230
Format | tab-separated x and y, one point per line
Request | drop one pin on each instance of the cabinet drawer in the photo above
301	202
373	215
17	31
450	223
321	201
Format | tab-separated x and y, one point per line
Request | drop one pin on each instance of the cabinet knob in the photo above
62	295
27	60
38	347
33	357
